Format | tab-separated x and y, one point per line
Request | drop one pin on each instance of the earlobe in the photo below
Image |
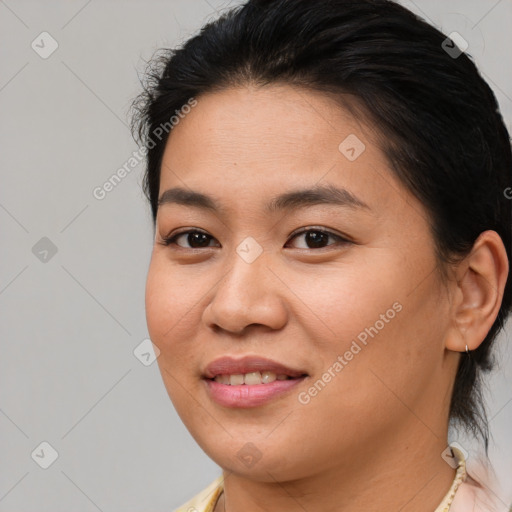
481	279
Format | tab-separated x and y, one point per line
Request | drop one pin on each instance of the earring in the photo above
467	350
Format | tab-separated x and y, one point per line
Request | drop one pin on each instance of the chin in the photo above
260	460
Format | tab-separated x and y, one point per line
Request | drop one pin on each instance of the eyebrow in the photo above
295	199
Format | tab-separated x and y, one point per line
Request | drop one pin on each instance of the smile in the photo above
251	381
251	378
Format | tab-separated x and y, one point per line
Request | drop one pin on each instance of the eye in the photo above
195	238
316	238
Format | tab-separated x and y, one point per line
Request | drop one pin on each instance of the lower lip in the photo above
245	396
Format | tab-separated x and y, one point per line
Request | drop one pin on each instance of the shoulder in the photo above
205	500
467	494
473	497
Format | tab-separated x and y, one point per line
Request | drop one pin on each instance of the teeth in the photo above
250	378
223	379
235	380
267	377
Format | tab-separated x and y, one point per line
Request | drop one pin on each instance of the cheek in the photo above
172	308
338	302
365	313
160	307
170	298
172	320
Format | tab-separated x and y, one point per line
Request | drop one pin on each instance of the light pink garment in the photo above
470	498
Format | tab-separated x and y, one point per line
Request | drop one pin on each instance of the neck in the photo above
401	471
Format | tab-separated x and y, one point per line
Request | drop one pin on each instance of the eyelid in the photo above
169	240
323	229
343	239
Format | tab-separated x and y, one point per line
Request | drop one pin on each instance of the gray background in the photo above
70	324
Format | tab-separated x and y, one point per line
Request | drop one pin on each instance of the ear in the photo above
476	300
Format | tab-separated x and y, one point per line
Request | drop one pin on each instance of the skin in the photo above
372	438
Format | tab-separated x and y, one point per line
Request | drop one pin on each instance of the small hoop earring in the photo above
467	350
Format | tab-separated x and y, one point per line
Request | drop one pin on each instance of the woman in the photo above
332	244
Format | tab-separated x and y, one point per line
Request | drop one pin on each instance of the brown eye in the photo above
194	238
318	238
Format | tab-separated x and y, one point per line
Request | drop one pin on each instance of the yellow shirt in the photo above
462	496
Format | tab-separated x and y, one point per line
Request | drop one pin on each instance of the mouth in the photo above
250	381
249	370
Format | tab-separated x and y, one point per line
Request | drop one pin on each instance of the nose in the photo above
247	294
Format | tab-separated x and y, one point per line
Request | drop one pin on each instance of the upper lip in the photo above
231	366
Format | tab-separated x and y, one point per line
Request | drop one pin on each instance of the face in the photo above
307	262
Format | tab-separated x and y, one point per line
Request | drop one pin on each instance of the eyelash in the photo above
171	239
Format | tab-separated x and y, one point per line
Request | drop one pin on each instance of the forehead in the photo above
246	142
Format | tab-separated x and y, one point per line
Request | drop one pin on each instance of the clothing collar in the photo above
206	500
